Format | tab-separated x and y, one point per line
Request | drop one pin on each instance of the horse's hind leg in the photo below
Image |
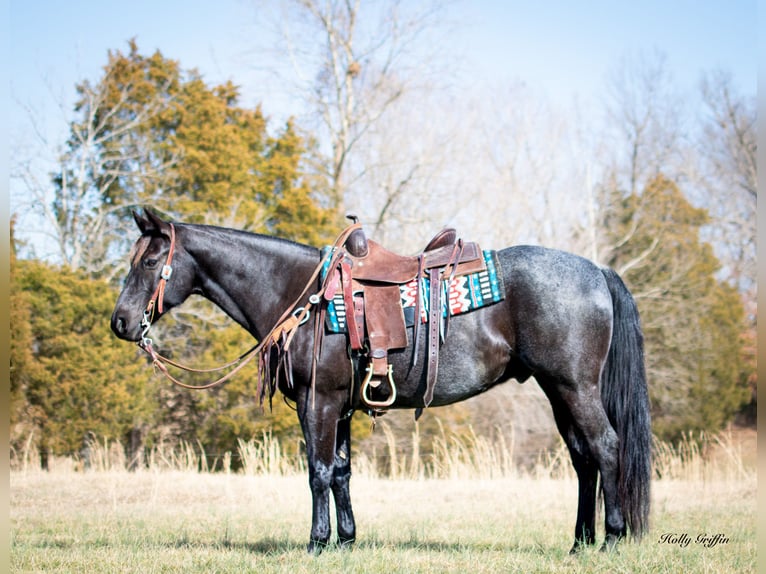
593	444
340	483
602	441
587	476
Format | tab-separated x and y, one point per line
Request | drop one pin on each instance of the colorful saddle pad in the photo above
463	294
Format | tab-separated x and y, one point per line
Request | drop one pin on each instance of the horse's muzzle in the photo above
120	328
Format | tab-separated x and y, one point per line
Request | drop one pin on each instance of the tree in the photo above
650	157
230	172
149	133
728	175
355	65
104	164
642	136
519	170
692	321
71	376
23	367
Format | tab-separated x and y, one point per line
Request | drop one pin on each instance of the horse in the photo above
569	323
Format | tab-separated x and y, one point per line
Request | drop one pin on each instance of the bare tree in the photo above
646	114
355	63
417	172
103	154
728	155
644	136
528	180
728	150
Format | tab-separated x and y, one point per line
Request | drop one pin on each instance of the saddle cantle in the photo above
369	277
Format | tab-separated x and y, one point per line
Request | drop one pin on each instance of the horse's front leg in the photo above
319	421
340	483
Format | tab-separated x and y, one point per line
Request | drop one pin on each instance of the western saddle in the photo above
369	277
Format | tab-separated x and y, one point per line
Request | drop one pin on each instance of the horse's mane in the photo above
142	243
247	236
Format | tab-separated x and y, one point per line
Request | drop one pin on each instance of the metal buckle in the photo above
167	271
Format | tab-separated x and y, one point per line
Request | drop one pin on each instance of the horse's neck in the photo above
252	278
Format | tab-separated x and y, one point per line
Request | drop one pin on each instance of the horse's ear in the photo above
151	223
142	222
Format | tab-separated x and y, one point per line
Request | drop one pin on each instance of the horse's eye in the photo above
150	263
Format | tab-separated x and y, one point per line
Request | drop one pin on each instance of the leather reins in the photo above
285	327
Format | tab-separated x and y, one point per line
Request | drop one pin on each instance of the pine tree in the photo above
692	322
72	376
149	133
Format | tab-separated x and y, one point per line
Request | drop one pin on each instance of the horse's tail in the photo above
626	400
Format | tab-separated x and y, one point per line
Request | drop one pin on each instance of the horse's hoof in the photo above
346	543
581	544
611	543
315	547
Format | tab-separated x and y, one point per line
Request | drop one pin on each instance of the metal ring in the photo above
300	310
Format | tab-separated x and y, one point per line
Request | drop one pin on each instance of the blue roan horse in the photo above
569	323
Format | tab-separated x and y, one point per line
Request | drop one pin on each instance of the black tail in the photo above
626	400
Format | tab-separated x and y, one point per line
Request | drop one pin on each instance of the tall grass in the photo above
266	457
700	457
451	455
181	513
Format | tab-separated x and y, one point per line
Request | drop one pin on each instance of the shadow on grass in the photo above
457	547
262	546
283	546
275	546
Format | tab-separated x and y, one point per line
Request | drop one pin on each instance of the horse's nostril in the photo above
120	325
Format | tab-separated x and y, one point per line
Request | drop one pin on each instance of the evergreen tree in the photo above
692	322
70	376
22	364
150	133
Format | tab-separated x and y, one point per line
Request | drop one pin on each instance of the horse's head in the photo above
157	281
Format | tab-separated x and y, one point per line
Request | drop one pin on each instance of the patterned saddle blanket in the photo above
463	294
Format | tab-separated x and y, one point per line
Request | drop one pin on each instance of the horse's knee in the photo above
341	472
320	476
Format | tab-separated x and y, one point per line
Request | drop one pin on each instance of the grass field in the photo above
184	521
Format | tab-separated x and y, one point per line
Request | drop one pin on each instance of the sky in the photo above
560	48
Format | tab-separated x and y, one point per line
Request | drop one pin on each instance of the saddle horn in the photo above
356	244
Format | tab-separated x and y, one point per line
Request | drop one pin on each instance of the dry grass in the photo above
445	514
728	455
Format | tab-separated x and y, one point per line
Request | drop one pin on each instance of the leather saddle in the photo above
370	275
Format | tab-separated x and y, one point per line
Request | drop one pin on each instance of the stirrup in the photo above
366	383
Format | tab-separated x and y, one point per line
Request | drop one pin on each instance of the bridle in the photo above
159	292
281	334
146	343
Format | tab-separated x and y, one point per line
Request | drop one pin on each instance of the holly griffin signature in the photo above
683	539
